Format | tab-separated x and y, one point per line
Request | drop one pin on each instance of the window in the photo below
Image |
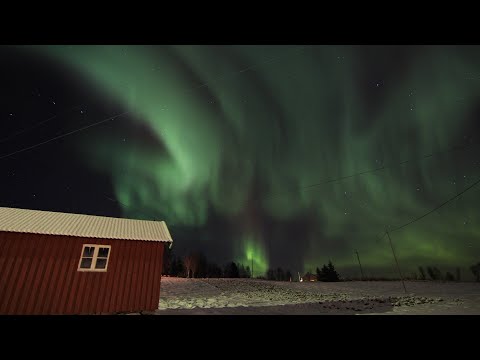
94	258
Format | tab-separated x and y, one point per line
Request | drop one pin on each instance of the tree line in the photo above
435	274
196	265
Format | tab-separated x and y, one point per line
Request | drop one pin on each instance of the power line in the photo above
438	207
197	87
25	130
426	156
38	124
63	135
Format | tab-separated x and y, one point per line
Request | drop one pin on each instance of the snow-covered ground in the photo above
251	296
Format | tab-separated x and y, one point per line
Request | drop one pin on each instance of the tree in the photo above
322	275
422	273
214	271
431	273
187	262
434	273
242	272
248	272
449	276
328	273
332	274
458	274
167	261
280	275
231	270
270	274
177	267
194	264
476	271
288	276
173	267
202	269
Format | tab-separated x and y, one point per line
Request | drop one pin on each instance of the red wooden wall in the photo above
38	275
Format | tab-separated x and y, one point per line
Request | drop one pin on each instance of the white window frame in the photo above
94	258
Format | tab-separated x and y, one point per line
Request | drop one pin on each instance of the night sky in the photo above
247	151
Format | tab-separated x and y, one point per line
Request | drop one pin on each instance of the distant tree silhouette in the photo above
332	274
322	275
242	271
202	267
270	274
177	267
187	262
449	276
214	271
248	272
167	261
457	274
280	275
422	273
288	276
475	269
328	273
231	270
173	267
434	273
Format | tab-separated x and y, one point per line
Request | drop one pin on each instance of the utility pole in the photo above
398	267
358	257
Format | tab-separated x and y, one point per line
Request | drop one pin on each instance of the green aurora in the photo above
240	130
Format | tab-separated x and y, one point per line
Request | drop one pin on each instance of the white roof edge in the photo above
82	225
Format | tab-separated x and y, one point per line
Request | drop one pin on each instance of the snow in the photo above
251	296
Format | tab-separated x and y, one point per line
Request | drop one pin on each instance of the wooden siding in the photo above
38	275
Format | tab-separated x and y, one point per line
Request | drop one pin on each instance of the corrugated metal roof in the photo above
90	226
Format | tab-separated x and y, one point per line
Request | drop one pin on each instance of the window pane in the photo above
103	252
88	251
101	264
86	263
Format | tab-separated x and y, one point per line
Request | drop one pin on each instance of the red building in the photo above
309	277
57	263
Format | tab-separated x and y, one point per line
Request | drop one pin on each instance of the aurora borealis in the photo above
232	136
